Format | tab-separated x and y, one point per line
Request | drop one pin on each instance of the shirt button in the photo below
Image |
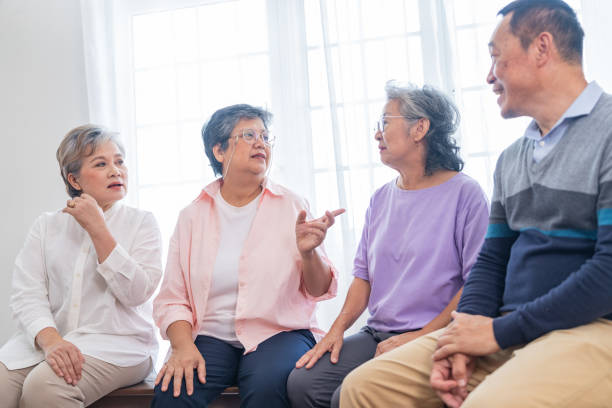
84	250
75	305
78	275
242	284
542	143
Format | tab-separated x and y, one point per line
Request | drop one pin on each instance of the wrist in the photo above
98	230
307	255
47	337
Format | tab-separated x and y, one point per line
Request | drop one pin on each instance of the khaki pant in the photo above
38	386
564	368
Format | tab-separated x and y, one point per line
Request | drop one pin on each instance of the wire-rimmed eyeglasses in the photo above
382	123
250	135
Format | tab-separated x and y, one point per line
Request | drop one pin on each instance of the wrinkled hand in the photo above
182	362
449	378
468	334
396	341
310	234
86	211
65	359
332	342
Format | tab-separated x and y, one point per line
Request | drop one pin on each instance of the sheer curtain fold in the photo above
98	40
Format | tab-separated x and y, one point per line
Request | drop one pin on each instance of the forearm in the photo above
444	318
103	241
583	297
316	274
179	334
354	305
483	292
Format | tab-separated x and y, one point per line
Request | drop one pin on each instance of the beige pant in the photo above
38	386
564	368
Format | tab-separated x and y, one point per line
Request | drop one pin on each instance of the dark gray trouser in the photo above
319	386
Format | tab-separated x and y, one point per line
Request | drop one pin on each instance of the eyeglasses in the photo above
250	135
381	123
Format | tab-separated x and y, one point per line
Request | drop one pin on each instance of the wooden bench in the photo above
140	396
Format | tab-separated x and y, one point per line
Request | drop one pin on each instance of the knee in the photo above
298	386
42	387
335	400
9	390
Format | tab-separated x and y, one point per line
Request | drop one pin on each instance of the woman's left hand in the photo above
396	341
86	211
310	234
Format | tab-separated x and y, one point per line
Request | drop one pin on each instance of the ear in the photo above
543	47
218	152
73	181
420	129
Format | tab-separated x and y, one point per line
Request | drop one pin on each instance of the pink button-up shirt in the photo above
271	294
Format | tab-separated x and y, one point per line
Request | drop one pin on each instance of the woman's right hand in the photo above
183	360
332	342
64	358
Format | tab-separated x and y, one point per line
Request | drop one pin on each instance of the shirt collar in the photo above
211	190
111	211
582	105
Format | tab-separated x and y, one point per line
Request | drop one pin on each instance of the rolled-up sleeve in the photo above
29	298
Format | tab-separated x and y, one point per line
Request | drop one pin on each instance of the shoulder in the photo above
469	186
382	193
599	121
283	194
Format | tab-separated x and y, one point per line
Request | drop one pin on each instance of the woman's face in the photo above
103	175
242	156
394	141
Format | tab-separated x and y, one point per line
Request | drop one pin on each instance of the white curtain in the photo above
320	66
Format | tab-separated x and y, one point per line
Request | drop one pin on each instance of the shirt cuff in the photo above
36	326
175	314
116	262
333	284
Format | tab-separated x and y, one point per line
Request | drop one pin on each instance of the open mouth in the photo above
115	185
259	156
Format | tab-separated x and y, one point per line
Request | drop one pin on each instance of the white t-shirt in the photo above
235	224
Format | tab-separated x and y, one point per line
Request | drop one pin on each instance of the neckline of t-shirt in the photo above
426	189
245	208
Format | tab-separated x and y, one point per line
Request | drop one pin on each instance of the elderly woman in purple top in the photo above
422	233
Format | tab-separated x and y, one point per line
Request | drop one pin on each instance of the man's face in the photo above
512	71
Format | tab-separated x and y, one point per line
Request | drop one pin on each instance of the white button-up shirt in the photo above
103	309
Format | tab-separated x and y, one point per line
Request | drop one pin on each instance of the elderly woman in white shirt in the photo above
81	286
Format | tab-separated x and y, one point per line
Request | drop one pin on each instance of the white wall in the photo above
42	96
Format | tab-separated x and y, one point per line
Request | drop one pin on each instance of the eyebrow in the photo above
104	158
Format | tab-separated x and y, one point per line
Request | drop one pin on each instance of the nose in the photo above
114	171
259	140
491	76
377	135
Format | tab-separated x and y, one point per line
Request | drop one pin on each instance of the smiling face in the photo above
103	175
242	156
512	71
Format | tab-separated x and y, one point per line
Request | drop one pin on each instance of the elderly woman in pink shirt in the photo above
245	271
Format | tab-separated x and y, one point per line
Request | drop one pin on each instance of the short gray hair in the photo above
218	129
79	143
443	115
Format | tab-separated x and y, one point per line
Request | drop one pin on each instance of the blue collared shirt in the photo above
583	105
